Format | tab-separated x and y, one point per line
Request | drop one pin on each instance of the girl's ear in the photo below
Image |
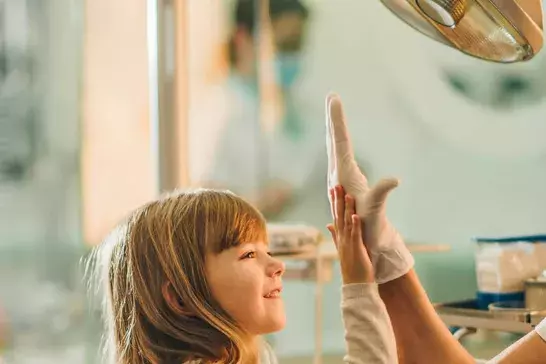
174	301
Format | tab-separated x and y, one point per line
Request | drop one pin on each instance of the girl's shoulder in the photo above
268	356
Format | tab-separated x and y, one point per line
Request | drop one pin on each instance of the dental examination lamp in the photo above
504	31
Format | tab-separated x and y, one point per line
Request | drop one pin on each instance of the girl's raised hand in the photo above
356	266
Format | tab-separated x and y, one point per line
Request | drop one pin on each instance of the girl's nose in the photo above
276	267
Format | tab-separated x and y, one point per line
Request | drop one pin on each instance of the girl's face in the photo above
246	282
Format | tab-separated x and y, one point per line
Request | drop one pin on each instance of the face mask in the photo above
287	69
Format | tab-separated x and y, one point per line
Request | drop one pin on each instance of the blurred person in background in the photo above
270	169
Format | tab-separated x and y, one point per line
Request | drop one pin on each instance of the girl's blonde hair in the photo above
161	251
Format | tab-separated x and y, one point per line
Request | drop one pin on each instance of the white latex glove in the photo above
390	257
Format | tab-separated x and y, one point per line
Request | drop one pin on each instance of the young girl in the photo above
189	279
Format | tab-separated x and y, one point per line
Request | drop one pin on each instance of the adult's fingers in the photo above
337	125
332	176
332	199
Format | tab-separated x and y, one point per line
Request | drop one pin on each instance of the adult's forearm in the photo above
421	336
531	349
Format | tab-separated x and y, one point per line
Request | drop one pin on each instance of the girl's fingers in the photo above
332	231
349	211
340	209
356	231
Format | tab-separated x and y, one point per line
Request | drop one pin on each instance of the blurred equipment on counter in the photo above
503	265
504	31
511	310
535	293
293	238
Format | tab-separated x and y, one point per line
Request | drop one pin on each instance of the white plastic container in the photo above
504	264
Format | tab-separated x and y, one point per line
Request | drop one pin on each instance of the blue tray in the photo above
512	239
484	299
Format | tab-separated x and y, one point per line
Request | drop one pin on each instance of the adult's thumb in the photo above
382	189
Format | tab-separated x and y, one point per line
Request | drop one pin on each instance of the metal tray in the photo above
467	314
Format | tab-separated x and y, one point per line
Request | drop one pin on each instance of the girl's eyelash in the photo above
248	255
252	254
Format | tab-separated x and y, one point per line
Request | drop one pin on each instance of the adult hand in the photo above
390	257
356	266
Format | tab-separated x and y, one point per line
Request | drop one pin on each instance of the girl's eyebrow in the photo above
259	242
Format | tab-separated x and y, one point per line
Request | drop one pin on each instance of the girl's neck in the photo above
256	343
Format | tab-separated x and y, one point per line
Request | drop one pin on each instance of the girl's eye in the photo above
249	255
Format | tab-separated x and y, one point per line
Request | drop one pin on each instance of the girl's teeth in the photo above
273	294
